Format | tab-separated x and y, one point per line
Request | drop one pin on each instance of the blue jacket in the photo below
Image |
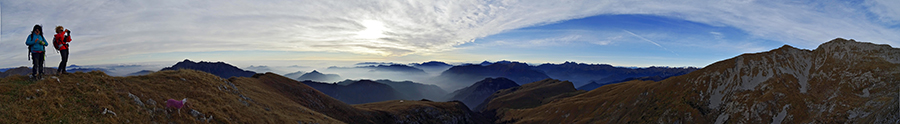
36	46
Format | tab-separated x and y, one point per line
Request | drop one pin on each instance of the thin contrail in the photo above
648	40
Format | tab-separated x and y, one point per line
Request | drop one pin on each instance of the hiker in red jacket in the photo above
61	42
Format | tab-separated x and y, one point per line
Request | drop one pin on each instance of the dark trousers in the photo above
37	61
62	64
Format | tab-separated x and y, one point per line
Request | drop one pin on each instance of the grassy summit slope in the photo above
84	97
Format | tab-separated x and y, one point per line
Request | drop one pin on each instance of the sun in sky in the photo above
373	30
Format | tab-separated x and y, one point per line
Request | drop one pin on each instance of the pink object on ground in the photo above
172	103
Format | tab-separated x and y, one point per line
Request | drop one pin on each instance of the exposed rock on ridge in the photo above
842	81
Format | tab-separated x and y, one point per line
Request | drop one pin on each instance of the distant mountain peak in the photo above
318	76
220	69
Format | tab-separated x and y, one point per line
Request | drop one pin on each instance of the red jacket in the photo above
61	41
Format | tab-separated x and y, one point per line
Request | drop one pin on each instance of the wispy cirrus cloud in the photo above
107	29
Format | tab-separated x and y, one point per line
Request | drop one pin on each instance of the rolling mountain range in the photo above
582	74
395	68
841	81
579	74
464	75
432	67
220	69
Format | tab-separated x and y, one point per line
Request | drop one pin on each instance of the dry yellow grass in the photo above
83	97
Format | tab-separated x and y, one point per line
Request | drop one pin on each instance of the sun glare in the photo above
374	30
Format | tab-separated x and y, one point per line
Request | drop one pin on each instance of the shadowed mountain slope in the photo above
842	81
409	90
529	95
481	90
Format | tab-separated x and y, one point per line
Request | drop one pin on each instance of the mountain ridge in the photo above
842	81
220	69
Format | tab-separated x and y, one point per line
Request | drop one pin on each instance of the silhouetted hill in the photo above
260	69
461	76
317	76
139	73
84	69
481	90
357	92
25	71
220	69
841	81
432	64
294	75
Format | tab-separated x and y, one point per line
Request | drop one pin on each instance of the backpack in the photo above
57	43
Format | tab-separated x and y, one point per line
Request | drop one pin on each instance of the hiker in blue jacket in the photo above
36	44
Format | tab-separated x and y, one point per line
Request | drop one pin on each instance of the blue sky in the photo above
623	33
